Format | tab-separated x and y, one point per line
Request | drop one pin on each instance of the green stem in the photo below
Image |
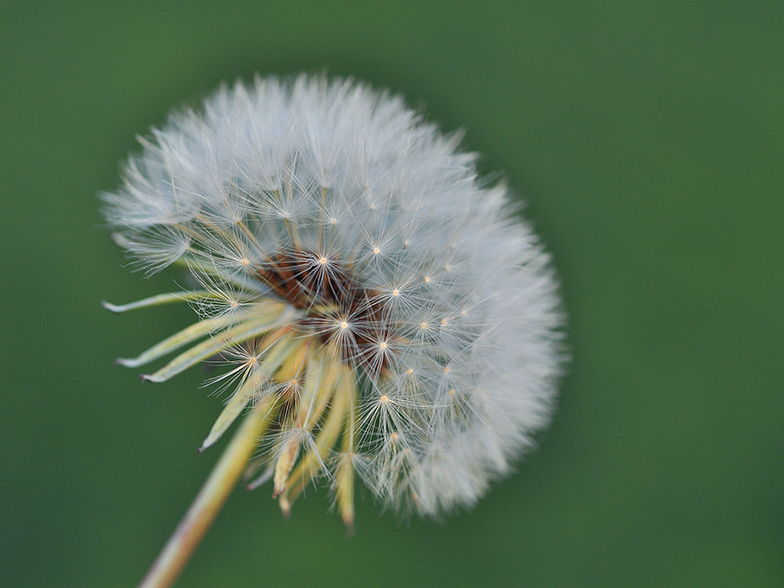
208	503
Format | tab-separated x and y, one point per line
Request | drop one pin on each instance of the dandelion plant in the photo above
383	314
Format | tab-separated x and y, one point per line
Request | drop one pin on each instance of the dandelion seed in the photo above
331	230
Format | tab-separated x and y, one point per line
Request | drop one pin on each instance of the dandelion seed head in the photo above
400	321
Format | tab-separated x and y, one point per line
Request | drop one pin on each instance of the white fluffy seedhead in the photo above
393	308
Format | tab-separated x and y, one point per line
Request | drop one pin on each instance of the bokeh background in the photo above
646	138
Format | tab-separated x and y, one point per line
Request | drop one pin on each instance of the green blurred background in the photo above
647	139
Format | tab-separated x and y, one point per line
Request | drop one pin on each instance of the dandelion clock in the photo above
383	316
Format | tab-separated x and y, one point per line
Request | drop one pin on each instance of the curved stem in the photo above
208	503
